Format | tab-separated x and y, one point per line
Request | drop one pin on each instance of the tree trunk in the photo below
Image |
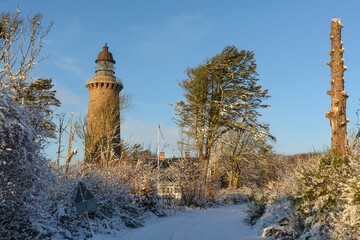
60	130
230	179
337	114
70	153
235	182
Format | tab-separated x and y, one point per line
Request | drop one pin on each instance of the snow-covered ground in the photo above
223	223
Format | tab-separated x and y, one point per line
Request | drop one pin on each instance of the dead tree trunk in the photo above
337	114
70	153
60	130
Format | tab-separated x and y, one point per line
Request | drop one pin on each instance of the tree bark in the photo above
337	114
70	153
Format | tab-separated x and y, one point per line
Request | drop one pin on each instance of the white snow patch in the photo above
225	223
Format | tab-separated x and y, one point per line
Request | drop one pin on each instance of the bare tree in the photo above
245	158
60	129
81	133
70	154
125	104
21	41
101	139
97	141
21	44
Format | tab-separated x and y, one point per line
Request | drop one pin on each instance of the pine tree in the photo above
39	95
221	94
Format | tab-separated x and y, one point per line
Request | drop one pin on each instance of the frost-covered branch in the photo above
21	44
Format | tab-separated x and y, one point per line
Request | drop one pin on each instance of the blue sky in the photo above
153	42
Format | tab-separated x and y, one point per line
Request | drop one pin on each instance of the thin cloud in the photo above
188	28
69	64
70	101
70	28
182	29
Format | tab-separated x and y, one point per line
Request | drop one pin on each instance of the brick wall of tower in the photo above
103	105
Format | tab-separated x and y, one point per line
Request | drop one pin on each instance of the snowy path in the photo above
225	223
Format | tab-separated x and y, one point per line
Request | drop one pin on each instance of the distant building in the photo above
103	122
169	186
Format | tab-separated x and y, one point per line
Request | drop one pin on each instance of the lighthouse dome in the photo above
105	55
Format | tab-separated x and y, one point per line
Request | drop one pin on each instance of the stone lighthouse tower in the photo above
102	144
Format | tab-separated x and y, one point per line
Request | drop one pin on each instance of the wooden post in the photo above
337	114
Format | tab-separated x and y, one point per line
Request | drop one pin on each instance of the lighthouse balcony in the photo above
111	83
104	79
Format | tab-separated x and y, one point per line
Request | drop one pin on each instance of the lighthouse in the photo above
102	140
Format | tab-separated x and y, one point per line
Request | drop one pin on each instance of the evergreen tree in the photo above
221	94
41	94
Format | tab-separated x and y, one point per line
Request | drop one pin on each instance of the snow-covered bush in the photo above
37	201
325	202
114	204
190	179
345	222
25	174
280	221
256	207
123	196
231	196
321	192
287	182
